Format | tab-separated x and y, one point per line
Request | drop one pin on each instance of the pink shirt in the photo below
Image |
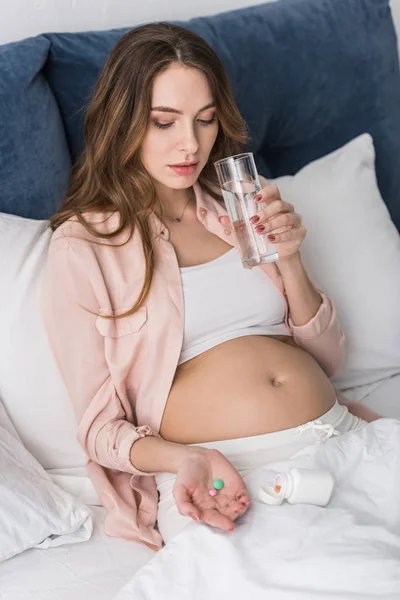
118	373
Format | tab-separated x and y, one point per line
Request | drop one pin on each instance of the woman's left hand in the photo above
278	220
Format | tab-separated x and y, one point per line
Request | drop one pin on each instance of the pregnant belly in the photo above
243	387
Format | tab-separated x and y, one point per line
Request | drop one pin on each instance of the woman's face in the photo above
183	127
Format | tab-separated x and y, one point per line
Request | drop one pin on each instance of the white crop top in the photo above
223	301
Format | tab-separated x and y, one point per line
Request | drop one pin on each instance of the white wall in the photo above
24	18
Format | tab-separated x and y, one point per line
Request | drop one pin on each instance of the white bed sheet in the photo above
348	550
93	570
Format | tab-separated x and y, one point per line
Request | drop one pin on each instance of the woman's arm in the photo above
69	308
304	304
73	290
304	300
312	316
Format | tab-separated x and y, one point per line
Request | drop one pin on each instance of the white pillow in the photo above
31	387
352	250
34	512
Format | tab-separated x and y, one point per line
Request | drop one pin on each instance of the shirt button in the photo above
202	212
227	231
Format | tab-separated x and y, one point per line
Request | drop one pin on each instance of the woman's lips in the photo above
184	170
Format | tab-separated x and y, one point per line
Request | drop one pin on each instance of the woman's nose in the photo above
189	142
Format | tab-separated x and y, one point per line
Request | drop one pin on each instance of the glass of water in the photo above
240	183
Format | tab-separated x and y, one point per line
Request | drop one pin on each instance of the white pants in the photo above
252	452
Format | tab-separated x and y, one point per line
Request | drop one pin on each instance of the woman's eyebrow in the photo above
179	112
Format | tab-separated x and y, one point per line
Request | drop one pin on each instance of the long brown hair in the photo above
109	175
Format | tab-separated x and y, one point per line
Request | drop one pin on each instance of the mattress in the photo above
92	570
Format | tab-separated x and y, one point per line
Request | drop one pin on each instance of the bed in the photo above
331	145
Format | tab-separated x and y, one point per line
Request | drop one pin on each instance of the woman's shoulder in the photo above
91	227
107	263
86	242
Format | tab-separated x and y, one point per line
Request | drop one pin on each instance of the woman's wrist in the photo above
156	455
179	453
289	260
303	299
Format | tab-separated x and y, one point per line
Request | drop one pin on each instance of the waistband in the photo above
277	438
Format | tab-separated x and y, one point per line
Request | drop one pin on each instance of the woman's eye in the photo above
205	123
162	125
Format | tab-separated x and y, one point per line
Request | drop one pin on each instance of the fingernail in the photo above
254	219
231	529
194	517
271	237
257	198
260	228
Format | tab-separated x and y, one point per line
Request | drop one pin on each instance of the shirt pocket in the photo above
117	328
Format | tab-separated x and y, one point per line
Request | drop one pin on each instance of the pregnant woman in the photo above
182	366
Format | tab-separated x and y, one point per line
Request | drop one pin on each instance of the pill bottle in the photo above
299	486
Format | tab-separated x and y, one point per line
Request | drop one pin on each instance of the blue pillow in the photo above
308	76
34	157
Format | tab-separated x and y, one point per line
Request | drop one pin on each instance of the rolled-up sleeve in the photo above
106	430
322	336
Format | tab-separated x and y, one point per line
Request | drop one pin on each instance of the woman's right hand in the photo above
194	479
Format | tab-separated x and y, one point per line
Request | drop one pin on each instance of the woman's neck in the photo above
174	202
